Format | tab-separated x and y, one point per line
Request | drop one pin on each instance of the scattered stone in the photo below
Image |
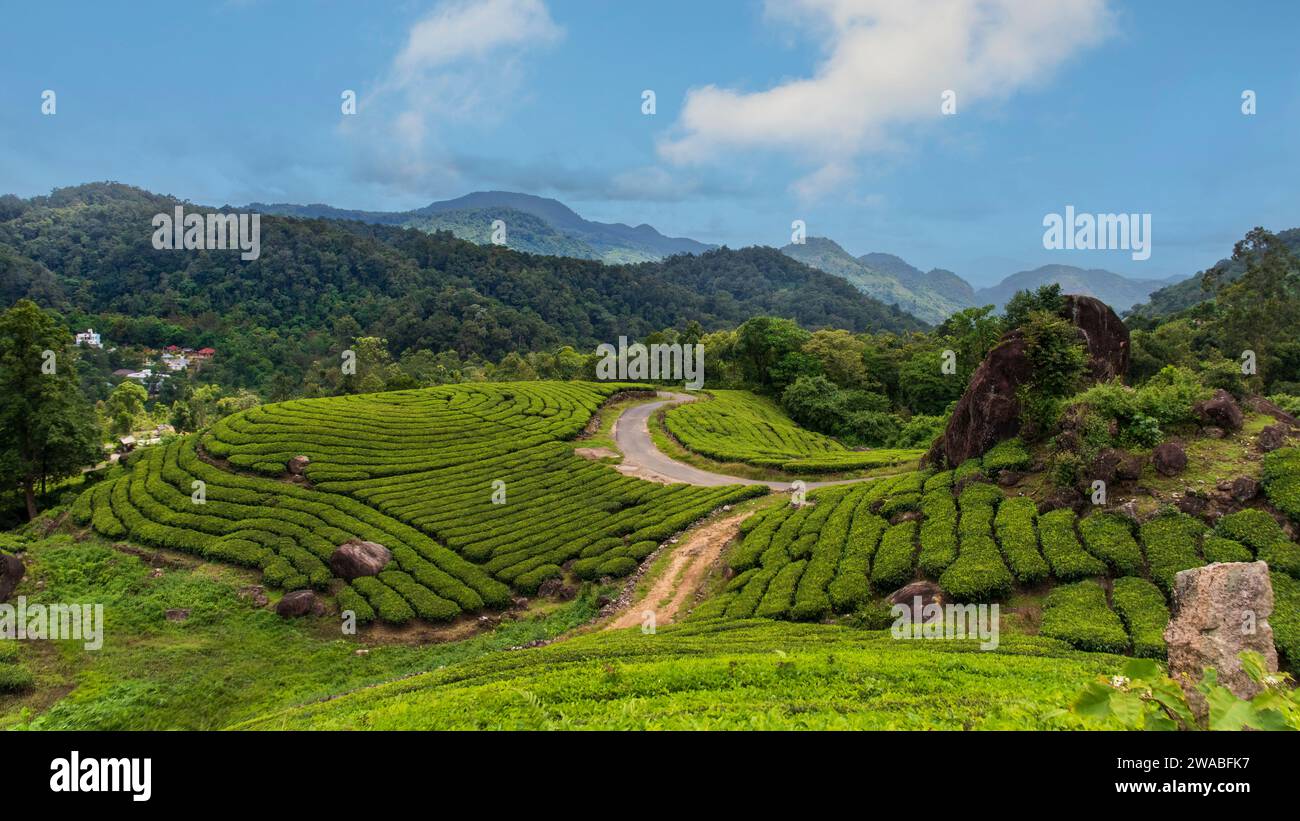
1105	466
299	603
156	573
1192	503
555	588
1170	459
1129	468
298	465
1245	488
1213	432
928	592
1129	510
1271	438
254	594
1066	497
905	516
1220	410
361	652
1009	478
1212	606
12	571
177	614
356	558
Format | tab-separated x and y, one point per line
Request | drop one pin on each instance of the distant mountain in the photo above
1184	294
534	224
929	296
1117	291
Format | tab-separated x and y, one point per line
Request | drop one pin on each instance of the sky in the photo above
825	111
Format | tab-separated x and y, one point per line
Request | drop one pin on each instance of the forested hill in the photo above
87	252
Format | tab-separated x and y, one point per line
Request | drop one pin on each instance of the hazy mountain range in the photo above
540	225
537	225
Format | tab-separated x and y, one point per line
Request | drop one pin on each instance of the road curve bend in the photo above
641	458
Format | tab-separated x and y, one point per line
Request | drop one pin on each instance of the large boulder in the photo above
1220	411
1103	332
299	603
356	558
1169	459
1220	610
12	571
922	593
989	412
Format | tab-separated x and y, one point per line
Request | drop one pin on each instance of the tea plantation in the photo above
1112	578
737	426
474	488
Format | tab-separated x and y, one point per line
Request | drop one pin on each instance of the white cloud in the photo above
462	61
886	64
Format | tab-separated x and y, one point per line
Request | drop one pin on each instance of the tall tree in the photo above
47	428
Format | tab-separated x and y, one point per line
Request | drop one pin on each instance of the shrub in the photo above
892	567
1077	614
1170	543
978	574
850	588
1218	549
780	592
1258	531
1141	606
14	678
938	532
1061	547
1110	538
1286	617
1015	529
1009	455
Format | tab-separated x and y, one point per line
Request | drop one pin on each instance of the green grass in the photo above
227	662
726	675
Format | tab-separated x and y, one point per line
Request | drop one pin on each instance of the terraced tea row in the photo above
841	551
737	426
469	518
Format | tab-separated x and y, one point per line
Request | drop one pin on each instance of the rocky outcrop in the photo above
1220	411
1220	610
989	412
1103	332
12	571
1169	459
299	603
356	558
1272	437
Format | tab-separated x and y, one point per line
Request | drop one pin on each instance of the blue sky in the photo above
766	112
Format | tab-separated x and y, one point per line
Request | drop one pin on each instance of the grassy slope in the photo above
734	675
228	662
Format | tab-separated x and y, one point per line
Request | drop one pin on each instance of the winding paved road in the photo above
641	457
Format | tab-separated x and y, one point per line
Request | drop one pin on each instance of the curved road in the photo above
642	458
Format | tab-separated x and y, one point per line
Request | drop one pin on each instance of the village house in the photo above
89	338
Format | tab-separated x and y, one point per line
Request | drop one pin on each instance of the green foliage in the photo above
1015	530
938	531
1282	481
1061	547
1110	538
1169	541
1258	531
1047	299
1010	454
1077	614
738	426
1286	616
1143	697
1141	606
892	567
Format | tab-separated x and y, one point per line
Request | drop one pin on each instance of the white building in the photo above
90	338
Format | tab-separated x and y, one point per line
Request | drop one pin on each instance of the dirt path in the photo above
673	591
645	461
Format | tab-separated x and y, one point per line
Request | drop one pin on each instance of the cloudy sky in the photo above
828	111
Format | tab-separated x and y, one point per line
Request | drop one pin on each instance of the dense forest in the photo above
86	252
